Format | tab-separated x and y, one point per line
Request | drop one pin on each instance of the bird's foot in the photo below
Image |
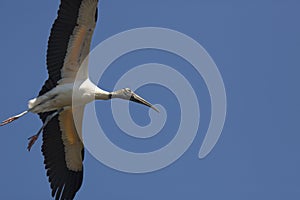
9	120
31	142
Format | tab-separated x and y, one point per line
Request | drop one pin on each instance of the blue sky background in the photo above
255	45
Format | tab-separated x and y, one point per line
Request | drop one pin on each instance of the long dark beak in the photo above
136	98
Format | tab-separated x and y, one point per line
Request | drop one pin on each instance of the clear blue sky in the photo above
255	44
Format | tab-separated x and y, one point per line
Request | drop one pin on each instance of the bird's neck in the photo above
102	94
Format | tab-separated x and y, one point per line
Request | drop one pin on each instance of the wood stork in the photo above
68	45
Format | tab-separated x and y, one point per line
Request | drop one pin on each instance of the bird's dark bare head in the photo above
128	94
125	93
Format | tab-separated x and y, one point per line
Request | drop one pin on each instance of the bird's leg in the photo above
13	118
33	138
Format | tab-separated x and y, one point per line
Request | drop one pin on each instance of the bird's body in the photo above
61	96
58	97
68	47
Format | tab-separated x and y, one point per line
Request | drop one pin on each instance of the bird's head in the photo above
128	94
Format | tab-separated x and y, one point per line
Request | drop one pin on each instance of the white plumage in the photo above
68	46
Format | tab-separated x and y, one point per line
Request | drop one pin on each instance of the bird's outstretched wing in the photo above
68	46
69	41
63	153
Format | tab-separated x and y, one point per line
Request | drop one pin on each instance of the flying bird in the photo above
68	46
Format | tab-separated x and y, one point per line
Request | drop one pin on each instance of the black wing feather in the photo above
64	182
61	32
53	148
